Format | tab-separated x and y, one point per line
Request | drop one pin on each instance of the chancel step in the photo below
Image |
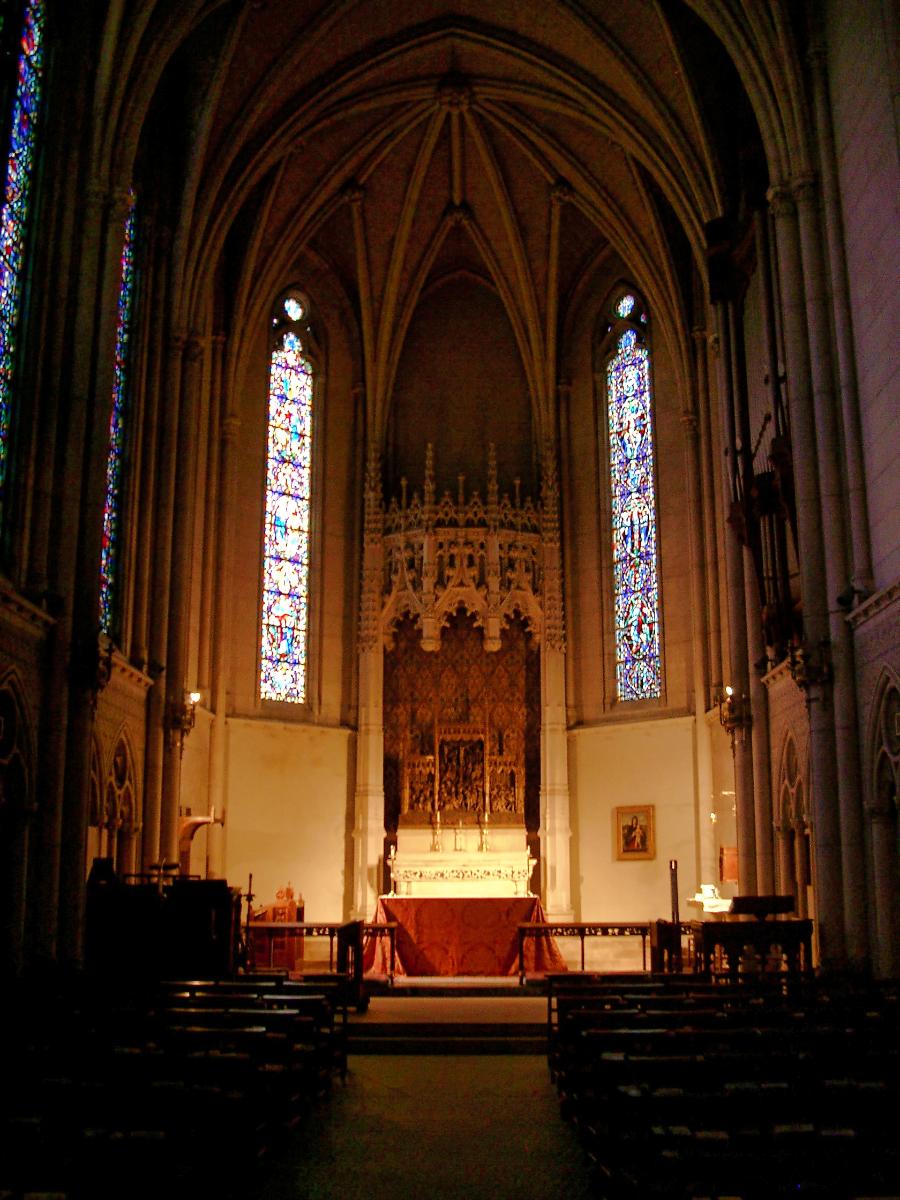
448	1022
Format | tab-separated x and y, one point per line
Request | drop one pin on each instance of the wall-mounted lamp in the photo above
181	719
734	714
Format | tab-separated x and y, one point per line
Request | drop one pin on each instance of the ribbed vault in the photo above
342	133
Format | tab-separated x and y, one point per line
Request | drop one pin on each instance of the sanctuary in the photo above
448	453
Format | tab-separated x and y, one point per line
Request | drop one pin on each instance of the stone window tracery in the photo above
284	643
887	753
629	413
110	551
14	217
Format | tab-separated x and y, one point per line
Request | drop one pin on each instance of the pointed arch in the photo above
15	217
111	548
624	354
16	750
284	620
884	746
120	819
792	828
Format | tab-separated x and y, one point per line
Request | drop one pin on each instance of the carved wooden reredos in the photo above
464	597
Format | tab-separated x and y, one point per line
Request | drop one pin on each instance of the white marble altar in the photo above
462	860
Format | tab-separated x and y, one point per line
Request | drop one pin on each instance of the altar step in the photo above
505	987
450	1024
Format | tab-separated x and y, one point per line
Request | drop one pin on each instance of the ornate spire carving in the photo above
554	617
373	528
462	552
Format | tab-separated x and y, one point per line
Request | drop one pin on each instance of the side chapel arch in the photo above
120	816
624	385
17	808
883	789
793	831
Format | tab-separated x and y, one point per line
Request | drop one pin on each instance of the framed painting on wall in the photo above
634	836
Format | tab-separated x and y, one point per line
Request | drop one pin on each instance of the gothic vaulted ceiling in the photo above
398	142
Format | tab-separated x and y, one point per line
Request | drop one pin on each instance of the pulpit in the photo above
282	951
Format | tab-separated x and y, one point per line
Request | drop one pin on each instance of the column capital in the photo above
193	348
354	194
815	54
879	814
781	200
120	201
561	193
96	195
231	426
806	189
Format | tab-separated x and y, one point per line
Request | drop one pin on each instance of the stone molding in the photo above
21	613
874	605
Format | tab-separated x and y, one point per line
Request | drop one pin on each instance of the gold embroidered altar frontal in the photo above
461	936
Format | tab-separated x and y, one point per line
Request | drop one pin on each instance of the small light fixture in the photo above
734	714
181	719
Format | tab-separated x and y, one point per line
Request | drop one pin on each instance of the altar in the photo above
460	935
464	860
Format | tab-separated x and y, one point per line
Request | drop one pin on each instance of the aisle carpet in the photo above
433	1128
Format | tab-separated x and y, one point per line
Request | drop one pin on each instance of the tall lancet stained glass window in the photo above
110	551
14	217
285	590
634	545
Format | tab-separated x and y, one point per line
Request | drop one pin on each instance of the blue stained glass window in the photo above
285	601
110	548
631	458
14	216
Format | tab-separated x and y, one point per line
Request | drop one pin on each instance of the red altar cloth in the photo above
461	936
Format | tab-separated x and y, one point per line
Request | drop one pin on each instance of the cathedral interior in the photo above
421	417
478	413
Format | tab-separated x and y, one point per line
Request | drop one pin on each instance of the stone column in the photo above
144	525
153	849
706	858
180	598
837	573
762	765
556	833
368	827
861	578
708	506
784	881
883	835
812	673
220	640
90	657
737	620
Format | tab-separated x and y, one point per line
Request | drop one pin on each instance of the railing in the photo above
388	929
345	948
268	931
582	930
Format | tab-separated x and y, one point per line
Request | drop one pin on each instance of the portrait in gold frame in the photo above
634	836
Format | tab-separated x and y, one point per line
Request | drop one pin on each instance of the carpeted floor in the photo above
433	1128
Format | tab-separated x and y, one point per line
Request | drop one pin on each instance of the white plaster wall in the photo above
289	789
650	762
